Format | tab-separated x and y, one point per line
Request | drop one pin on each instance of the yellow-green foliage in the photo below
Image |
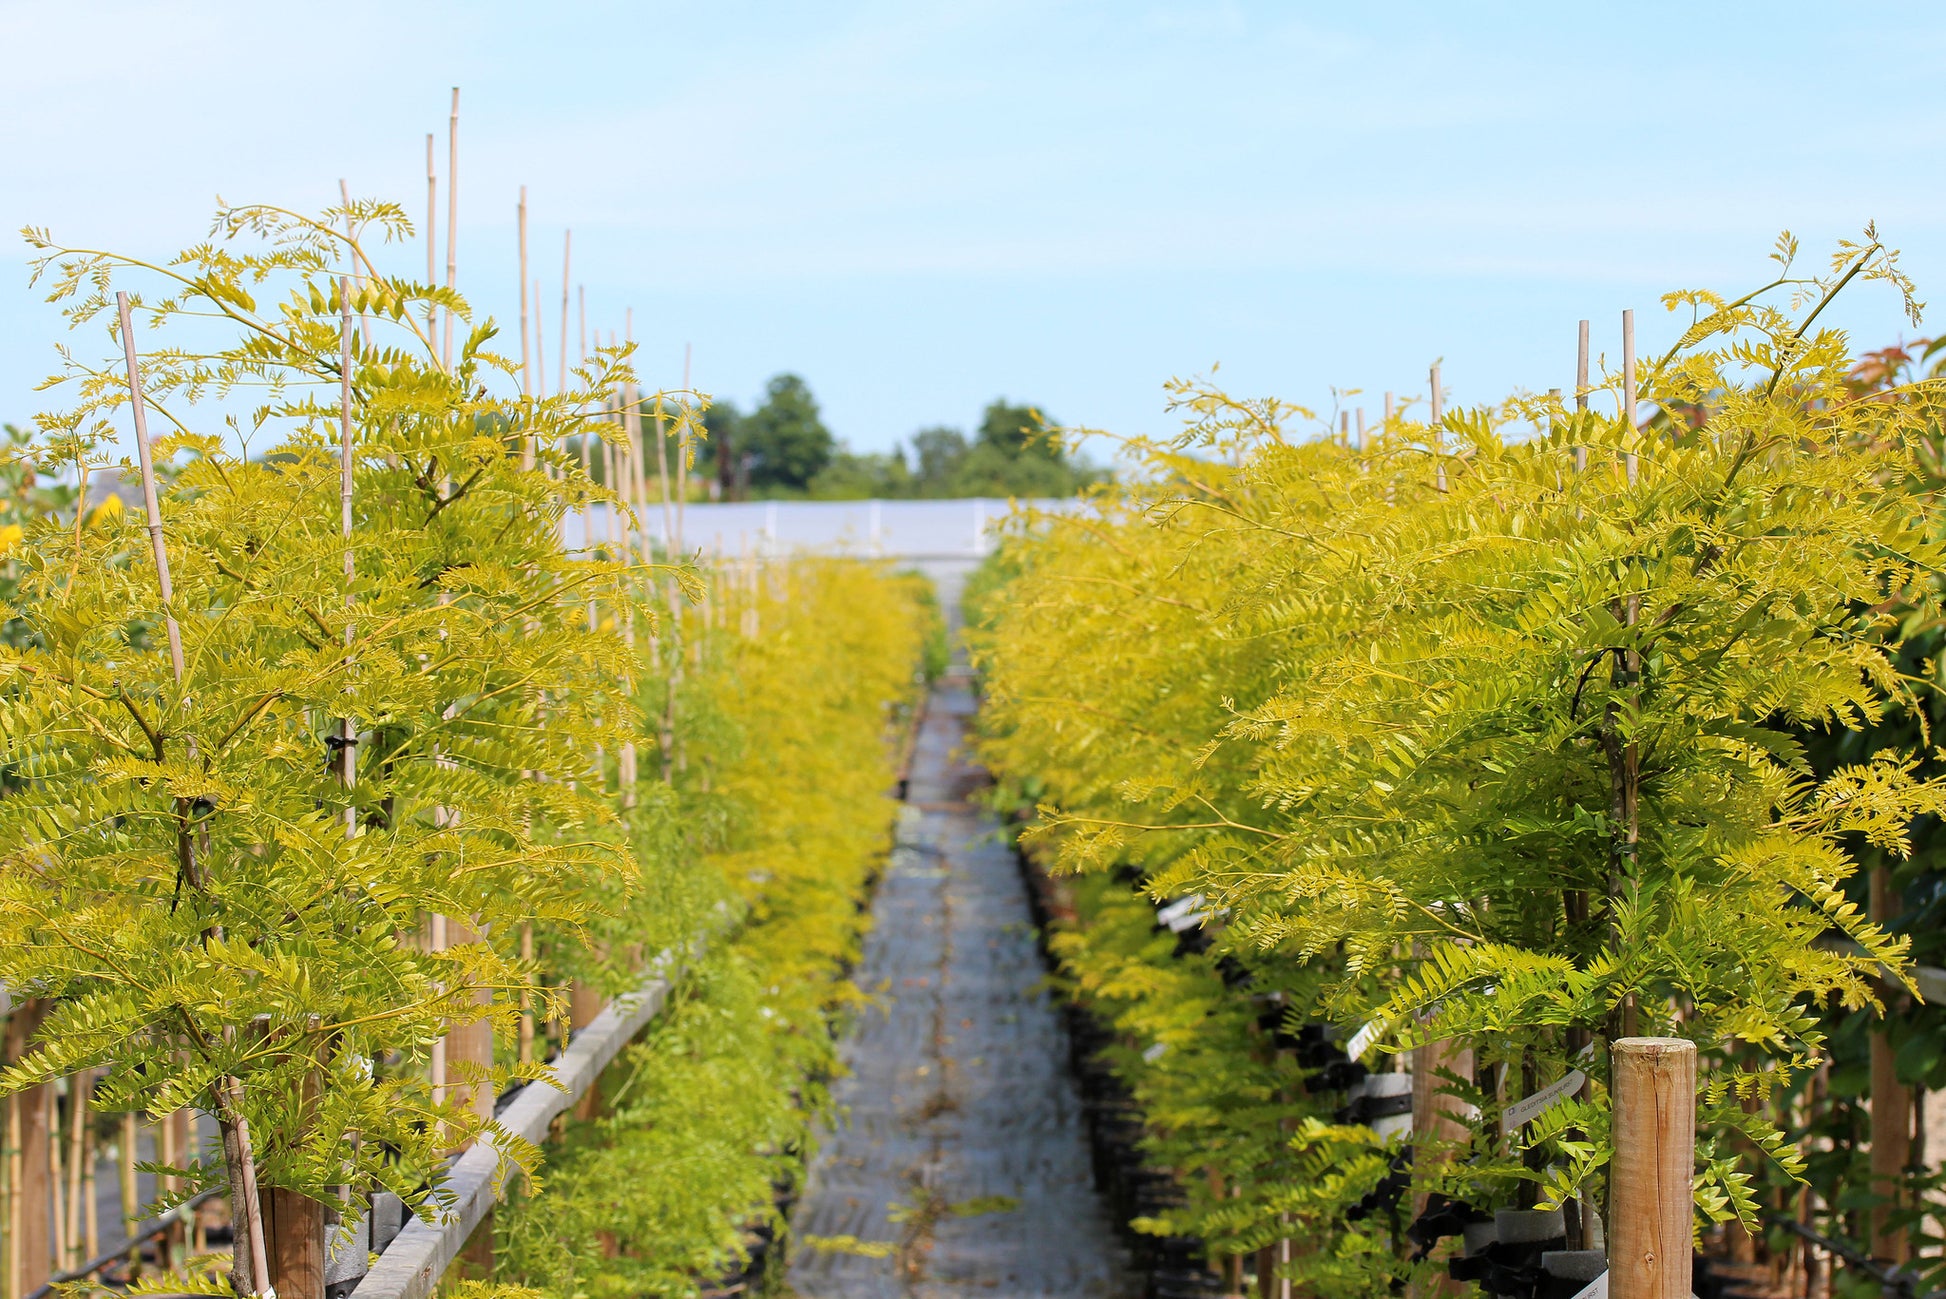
790	760
1490	745
177	878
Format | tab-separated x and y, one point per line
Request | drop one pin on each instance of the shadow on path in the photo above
965	1148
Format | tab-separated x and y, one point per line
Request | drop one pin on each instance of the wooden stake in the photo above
1438	434
1650	1195
1581	391
1891	1124
452	225
57	1181
167	1250
526	363
76	1225
1361	430
567	262
90	1228
540	349
131	1194
526	998
432	240
348	727
682	454
35	1232
10	1281
150	503
294	1226
351	257
1628	389
436	939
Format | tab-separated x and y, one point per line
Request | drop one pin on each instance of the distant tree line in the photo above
782	448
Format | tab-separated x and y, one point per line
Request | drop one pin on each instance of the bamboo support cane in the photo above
452	226
682	454
540	356
1628	773
432	241
1650	1192
131	1193
169	1249
90	1225
57	1167
1438	435
1628	393
526	363
348	727
76	1225
352	255
250	1244
1581	391
567	263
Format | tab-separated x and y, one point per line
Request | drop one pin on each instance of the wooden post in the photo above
432	242
1581	391
295	1226
36	1187
131	1196
1650	1193
584	1003
348	726
75	1233
540	355
30	1233
526	362
1435	1115
1628	389
567	263
1891	1130
150	504
1436	413
452	225
56	1178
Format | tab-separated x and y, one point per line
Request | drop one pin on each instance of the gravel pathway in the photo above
964	1150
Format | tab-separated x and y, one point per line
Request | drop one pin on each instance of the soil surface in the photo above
963	1161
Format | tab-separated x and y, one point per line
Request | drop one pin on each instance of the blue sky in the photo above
920	207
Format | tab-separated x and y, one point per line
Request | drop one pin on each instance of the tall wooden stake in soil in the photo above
452	225
1891	1132
1650	1196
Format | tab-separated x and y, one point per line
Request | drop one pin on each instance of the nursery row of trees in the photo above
782	448
335	793
1468	748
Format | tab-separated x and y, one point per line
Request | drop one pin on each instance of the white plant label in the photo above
1522	1112
1362	1040
1180	907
